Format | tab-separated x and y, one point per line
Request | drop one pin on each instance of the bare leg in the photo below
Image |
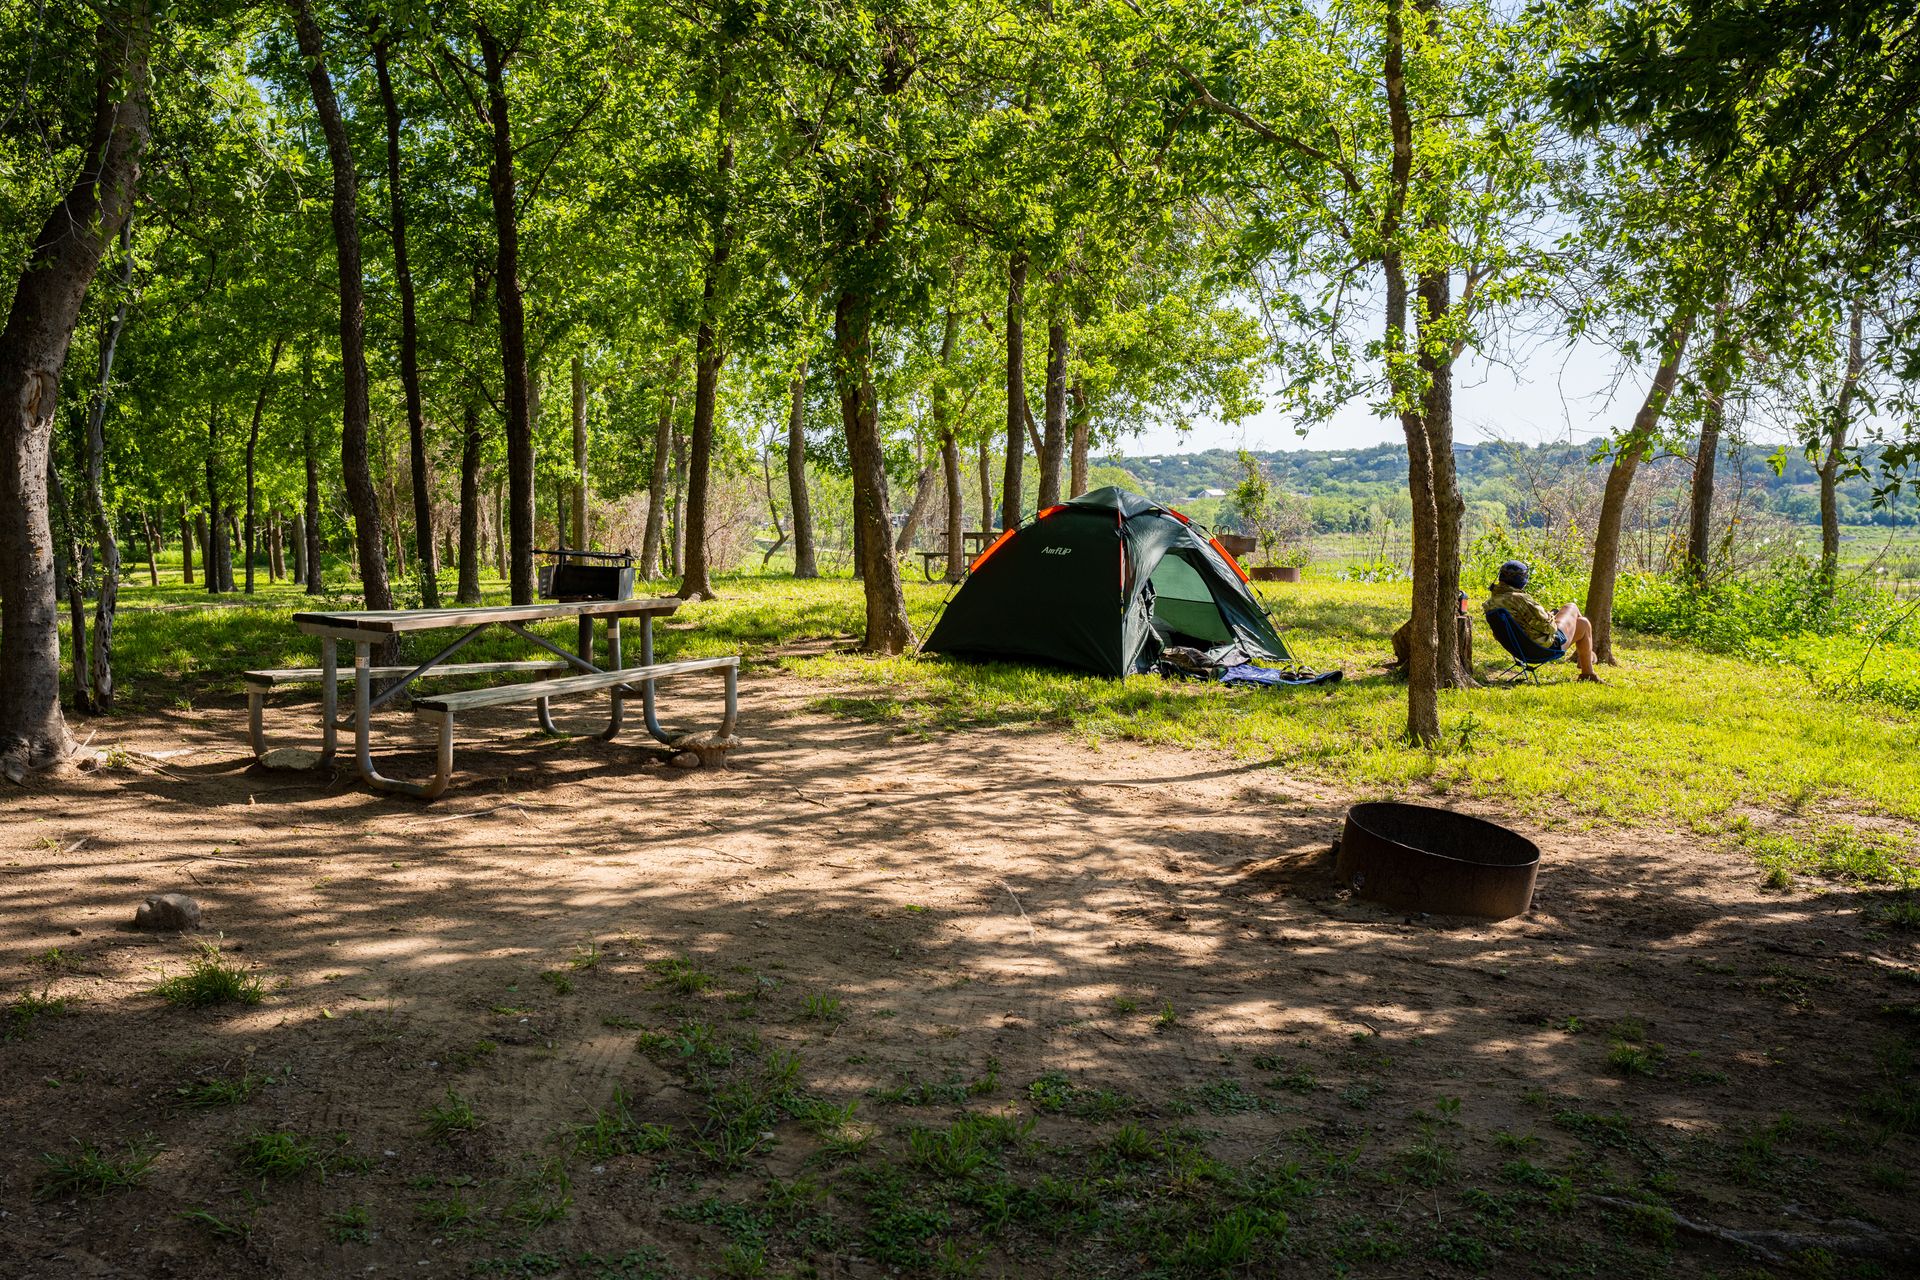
1579	632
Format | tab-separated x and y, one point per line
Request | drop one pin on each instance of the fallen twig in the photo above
1032	935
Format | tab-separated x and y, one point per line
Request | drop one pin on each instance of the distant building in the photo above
1213	493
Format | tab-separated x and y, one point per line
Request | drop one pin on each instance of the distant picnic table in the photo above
369	629
975	541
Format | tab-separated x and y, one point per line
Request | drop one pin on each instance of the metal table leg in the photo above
329	697
363	717
646	686
619	712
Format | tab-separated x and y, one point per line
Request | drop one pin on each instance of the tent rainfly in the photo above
1104	582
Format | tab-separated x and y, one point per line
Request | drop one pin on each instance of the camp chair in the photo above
1528	657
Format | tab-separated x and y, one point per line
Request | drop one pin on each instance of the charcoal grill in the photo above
1415	857
587	575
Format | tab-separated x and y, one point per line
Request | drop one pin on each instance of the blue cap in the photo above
1515	573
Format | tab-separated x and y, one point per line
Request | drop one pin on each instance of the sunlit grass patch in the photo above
210	981
1676	734
1836	851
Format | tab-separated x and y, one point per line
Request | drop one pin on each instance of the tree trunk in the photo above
1423	650
186	547
424	550
984	463
854	542
276	567
1627	455
1014	480
708	356
209	574
513	322
1450	509
253	444
773	506
469	558
1053	439
676	542
1719	375
923	487
210	558
887	628
68	575
100	680
804	563
33	350
362	499
310	526
500	528
1082	425
956	507
231	548
153	563
1700	495
650	542
1835	458
579	452
298	546
940	411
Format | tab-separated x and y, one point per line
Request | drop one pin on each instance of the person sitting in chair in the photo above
1549	630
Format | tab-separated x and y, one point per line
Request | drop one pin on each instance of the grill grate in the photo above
587	575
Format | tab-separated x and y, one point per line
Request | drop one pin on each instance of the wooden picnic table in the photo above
370	628
974	542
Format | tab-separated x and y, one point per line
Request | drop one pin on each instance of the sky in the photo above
1550	392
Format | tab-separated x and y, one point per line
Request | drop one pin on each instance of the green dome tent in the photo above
1104	582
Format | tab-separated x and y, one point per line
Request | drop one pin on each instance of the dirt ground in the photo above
989	909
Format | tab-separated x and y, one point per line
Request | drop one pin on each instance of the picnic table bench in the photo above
366	629
975	541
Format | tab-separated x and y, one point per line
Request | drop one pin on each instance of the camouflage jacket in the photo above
1533	618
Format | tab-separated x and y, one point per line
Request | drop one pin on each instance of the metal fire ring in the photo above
1418	858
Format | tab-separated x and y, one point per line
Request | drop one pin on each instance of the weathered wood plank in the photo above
534	690
312	675
391	621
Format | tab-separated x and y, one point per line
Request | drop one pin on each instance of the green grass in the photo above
613	1131
18	1016
1677	734
90	1171
279	1153
210	981
1837	852
220	1091
451	1118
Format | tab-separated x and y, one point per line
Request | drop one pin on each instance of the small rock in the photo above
165	912
290	758
73	933
710	749
686	760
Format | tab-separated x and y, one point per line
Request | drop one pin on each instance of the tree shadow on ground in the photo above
1109	938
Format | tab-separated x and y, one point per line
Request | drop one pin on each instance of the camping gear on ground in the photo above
1107	582
587	575
1414	857
1247	676
1528	657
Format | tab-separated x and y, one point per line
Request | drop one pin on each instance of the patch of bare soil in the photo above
1141	949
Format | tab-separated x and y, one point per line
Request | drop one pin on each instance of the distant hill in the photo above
1343	485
